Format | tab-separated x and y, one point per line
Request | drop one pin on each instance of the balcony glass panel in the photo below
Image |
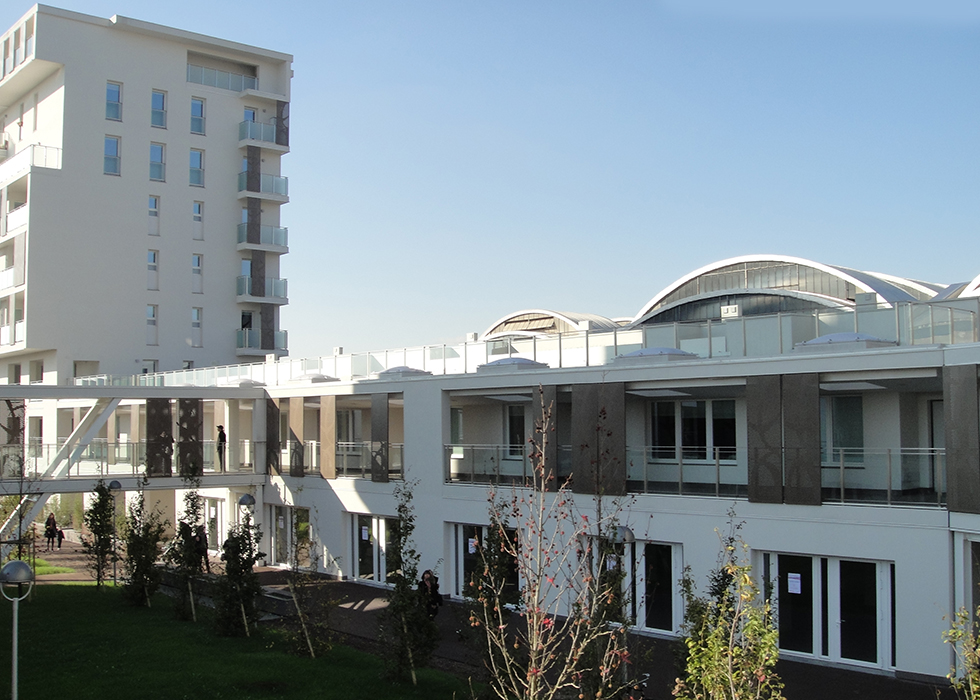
256	131
274	287
487	464
158	117
268	235
269	184
221	79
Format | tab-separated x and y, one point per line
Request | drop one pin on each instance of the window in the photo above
831	608
152	269
373	546
111	164
250	113
841	429
661	607
158	165
151	324
150	366
37	371
197	321
158	109
13	374
154	206
197	167
705	431
113	101
198	211
515	431
197	116
470	539
187	364
197	273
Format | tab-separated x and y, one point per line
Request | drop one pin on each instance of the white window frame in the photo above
113	106
161	175
112	163
196	175
202	118
158	115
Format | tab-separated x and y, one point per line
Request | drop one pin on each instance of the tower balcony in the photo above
267	290
248	342
267	136
274	239
273	188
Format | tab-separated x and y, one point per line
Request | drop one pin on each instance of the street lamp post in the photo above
15	572
114	486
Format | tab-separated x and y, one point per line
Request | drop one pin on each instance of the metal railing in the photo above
268	235
353	459
695	471
908	476
101	458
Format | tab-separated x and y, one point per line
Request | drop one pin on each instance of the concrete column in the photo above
379	438
765	439
961	411
231	409
273	452
328	437
297	466
259	463
801	437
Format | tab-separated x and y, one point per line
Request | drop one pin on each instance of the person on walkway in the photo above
222	442
201	546
50	532
429	592
61	537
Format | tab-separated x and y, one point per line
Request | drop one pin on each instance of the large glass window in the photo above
515	431
706	430
158	165
113	101
470	543
374	547
197	167
197	115
660	581
842	429
112	164
158	109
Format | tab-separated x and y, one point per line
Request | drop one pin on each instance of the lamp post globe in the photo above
15	573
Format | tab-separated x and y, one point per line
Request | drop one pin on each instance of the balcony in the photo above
258	134
353	459
270	187
270	290
221	79
488	464
274	239
16	219
7	278
248	342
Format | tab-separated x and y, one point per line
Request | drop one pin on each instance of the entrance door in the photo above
859	611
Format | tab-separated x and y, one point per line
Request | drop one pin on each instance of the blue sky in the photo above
453	162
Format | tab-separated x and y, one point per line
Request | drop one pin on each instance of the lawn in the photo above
79	642
42	567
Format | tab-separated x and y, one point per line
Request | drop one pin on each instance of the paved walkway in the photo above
356	621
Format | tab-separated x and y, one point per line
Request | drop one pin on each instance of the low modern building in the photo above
835	411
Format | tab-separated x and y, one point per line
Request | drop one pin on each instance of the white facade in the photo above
128	166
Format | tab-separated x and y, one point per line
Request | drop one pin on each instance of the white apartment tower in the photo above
140	193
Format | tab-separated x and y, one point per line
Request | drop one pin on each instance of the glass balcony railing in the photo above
268	184
256	131
274	287
268	235
354	459
221	79
251	339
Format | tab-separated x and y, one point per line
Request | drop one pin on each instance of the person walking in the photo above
222	443
50	532
429	593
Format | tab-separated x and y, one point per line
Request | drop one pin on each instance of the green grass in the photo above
79	642
42	567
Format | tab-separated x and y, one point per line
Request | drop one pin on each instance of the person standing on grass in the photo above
50	532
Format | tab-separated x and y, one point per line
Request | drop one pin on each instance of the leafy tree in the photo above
406	628
964	676
98	543
183	555
561	639
143	535
239	587
731	638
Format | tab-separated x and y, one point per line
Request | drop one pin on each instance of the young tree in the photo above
98	543
562	638
731	637
239	587
183	555
964	676
405	626
143	535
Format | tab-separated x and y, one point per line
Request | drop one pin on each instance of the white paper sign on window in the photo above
794	583
282	522
365	535
471	545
